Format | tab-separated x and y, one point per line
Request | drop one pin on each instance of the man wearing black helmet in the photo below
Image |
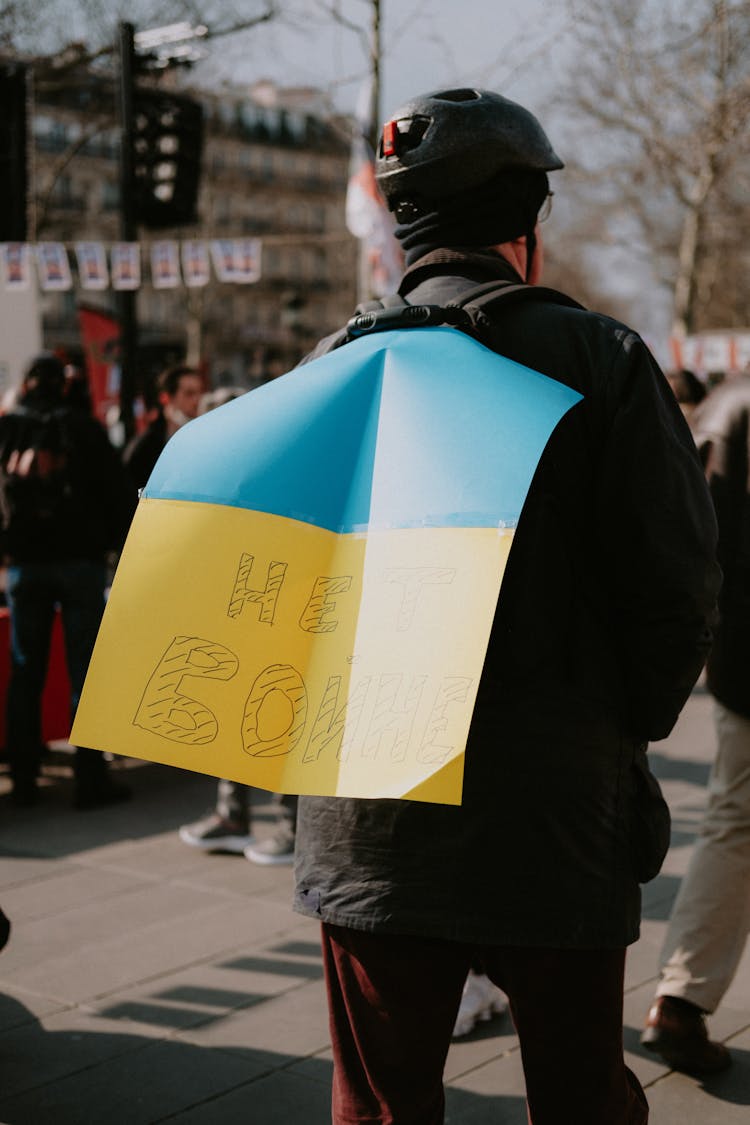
601	630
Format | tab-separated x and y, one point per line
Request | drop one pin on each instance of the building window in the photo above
222	209
110	195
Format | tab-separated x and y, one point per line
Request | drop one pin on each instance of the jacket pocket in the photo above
650	821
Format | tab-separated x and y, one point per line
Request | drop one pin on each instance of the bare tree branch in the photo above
669	85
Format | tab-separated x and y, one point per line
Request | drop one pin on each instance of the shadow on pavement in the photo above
667	768
658	897
74	1077
164	798
466	1108
732	1086
121	1078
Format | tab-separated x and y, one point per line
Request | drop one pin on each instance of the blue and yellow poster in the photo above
306	594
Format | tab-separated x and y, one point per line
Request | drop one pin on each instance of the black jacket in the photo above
602	628
83	509
142	453
721	426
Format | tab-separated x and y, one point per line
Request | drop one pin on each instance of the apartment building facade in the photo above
273	169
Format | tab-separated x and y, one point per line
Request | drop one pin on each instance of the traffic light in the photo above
13	170
167	145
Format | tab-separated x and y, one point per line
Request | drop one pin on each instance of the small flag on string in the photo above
165	264
222	256
246	260
92	265
196	269
126	265
52	263
16	264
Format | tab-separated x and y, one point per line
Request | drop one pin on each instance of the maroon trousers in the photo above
393	1002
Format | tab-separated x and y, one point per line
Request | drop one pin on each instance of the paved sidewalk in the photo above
145	982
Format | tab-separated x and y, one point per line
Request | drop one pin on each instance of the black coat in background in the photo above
88	513
602	627
721	426
144	450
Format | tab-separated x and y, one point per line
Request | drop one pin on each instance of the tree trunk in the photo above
684	285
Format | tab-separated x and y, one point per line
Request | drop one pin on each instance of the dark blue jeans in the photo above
33	591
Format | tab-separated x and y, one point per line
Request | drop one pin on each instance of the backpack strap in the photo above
469	312
477	300
391	301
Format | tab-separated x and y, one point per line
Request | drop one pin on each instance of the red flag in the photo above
368	219
100	337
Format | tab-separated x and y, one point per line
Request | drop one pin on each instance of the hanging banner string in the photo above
119	265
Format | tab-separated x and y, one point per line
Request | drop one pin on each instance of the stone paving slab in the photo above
277	1099
69	1042
722	1100
64	889
487	1045
294	1024
208	991
18	1008
20	871
494	1092
138	955
140	1083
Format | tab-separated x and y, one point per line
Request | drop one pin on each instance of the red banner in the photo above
100	338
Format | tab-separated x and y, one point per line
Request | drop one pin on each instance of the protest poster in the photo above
310	580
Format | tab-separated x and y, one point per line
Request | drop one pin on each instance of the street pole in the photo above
128	227
364	268
375	61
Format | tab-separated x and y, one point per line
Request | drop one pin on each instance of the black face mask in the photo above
504	208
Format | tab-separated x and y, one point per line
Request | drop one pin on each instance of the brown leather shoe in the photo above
676	1030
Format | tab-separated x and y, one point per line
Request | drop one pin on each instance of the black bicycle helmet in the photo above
447	142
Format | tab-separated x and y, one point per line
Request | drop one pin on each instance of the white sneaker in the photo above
481	1001
214	834
276	850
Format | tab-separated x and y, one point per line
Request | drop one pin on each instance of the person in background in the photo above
481	1001
601	630
65	503
179	390
688	390
77	389
227	827
709	925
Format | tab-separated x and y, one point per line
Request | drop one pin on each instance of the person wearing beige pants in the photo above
709	926
711	917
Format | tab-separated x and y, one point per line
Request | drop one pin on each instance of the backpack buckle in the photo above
405	316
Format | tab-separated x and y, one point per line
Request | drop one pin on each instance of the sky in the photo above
426	45
521	50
